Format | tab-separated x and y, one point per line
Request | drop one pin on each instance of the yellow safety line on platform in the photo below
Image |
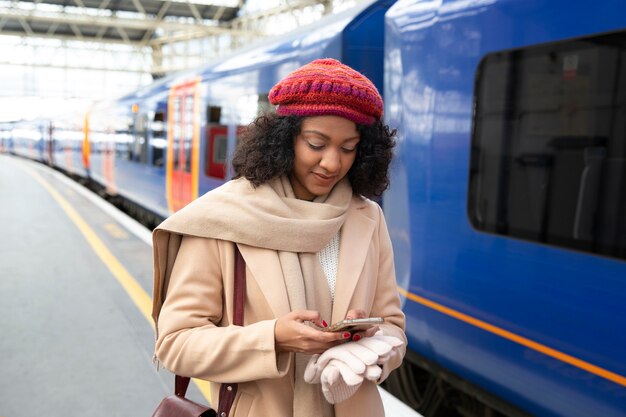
564	357
137	294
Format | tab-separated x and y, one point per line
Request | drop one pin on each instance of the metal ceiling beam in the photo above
95	21
119	22
139	7
73	67
284	8
207	11
158	19
69	38
190	35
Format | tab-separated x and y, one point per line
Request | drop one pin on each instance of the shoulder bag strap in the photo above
227	391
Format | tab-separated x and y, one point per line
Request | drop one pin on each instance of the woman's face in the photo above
324	152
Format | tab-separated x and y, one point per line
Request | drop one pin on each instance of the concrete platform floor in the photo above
72	340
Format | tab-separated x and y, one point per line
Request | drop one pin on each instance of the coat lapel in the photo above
266	270
356	236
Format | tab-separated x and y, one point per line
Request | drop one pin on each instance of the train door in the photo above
183	140
86	147
49	143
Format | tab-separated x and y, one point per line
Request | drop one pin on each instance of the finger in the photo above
349	376
373	372
306	315
343	353
364	354
330	375
355	314
358	336
317	334
316	341
312	371
377	346
310	316
393	341
371	331
320	323
330	337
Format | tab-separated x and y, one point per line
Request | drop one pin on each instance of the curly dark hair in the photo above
265	151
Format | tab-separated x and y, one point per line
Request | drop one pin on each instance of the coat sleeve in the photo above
190	342
387	300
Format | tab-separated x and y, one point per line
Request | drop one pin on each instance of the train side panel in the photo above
536	324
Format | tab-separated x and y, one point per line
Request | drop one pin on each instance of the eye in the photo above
350	147
315	146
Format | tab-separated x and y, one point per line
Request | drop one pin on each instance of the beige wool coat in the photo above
195	337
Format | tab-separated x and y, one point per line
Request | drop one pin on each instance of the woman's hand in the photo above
292	334
360	314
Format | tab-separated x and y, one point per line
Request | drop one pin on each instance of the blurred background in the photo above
61	55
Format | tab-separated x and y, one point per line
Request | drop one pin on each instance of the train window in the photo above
548	156
217	149
176	133
158	138
140	143
188	138
213	114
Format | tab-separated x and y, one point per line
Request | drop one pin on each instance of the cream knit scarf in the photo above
271	217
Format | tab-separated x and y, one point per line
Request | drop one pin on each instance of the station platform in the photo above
75	300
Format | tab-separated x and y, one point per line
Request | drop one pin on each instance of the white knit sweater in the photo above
328	258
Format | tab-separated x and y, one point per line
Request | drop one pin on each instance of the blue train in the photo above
508	195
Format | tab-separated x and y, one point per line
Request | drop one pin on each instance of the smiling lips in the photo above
325	179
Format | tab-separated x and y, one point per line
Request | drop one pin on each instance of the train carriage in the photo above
504	204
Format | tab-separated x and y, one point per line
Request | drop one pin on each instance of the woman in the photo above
316	250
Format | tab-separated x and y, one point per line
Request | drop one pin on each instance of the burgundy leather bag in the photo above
177	405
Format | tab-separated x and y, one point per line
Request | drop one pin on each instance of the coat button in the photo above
229	388
223	414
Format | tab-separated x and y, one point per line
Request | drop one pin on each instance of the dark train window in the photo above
213	114
548	158
158	138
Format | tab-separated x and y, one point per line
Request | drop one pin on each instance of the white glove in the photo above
351	354
339	382
373	372
361	358
385	347
395	344
313	371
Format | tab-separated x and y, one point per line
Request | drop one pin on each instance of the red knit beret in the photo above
326	86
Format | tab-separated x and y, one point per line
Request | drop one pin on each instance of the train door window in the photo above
217	149
214	115
548	156
188	127
176	133
158	138
140	145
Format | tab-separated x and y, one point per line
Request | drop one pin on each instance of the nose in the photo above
331	161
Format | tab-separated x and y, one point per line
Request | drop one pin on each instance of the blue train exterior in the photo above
498	190
514	273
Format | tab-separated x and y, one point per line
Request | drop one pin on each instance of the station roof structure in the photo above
100	48
149	26
130	22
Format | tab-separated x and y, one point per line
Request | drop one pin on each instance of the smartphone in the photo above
354	325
